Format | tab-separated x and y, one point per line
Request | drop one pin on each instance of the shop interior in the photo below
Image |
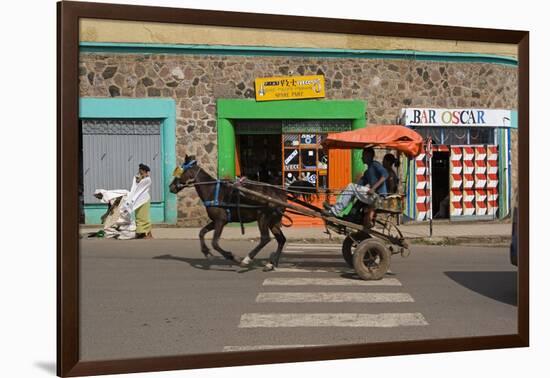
266	154
440	184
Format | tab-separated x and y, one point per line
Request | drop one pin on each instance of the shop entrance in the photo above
280	152
259	157
440	184
266	152
249	131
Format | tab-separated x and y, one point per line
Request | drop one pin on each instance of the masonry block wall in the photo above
197	81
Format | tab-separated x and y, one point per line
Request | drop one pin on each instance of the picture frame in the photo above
69	14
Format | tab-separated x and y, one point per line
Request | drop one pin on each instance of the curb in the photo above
493	240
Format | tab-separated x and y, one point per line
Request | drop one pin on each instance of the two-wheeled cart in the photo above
367	247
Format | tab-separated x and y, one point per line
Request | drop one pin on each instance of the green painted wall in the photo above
226	148
229	109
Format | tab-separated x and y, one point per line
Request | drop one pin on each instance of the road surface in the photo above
146	298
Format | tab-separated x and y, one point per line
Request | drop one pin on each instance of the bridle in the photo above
178	172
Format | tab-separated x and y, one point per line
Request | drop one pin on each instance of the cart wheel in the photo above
350	243
371	260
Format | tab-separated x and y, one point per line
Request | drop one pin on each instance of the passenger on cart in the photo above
368	189
392	182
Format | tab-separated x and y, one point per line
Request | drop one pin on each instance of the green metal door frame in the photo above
128	108
233	109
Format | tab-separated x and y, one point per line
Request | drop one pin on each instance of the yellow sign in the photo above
290	87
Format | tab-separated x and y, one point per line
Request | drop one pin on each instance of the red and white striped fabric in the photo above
456	181
468	202
474	182
422	187
481	180
492	180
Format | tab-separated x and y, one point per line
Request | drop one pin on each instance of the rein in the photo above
192	180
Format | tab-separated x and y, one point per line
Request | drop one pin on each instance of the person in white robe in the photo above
138	202
117	221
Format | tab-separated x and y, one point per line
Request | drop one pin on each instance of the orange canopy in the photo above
396	137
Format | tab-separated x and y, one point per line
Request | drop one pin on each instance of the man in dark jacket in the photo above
368	189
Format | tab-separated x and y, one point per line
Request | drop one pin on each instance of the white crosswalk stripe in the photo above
384	320
315	270
289	260
333	297
334	247
327	252
299	281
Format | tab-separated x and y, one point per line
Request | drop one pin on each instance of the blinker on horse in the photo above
225	204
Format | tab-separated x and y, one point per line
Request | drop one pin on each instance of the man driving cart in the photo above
369	189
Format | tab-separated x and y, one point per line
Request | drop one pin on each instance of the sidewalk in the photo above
456	230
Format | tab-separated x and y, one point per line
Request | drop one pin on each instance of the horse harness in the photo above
233	203
227	206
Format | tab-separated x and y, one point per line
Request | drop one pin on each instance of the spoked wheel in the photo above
371	259
350	243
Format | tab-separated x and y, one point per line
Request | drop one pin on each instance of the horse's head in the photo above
184	174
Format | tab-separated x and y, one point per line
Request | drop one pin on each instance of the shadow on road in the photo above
500	286
216	264
222	265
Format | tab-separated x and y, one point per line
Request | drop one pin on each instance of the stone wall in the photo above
196	82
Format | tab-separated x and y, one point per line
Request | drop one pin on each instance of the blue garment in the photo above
373	174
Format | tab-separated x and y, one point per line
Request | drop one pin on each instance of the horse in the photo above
225	204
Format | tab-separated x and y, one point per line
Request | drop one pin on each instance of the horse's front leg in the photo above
281	240
264	239
218	228
204	248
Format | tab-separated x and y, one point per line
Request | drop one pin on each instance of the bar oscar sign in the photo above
457	117
290	87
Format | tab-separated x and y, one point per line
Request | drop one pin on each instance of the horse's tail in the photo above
304	189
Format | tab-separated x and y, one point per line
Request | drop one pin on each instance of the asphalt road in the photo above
161	297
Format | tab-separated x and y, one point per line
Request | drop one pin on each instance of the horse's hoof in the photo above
237	259
245	262
268	267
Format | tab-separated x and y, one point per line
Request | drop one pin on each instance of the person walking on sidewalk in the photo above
368	189
139	201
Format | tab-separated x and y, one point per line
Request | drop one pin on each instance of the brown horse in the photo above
225	204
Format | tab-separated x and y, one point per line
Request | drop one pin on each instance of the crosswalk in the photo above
301	281
333	297
327	289
384	320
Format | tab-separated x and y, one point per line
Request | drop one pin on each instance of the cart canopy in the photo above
396	137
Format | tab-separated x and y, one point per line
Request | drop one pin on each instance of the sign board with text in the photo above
456	117
290	87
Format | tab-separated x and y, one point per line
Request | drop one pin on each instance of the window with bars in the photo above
458	135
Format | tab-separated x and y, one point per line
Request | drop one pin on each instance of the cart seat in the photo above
392	203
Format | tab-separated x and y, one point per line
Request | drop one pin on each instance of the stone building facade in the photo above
196	82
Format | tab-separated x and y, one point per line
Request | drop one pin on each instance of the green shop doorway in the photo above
280	142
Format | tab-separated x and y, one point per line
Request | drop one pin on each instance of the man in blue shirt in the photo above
368	189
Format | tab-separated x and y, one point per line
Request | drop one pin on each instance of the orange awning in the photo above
396	137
